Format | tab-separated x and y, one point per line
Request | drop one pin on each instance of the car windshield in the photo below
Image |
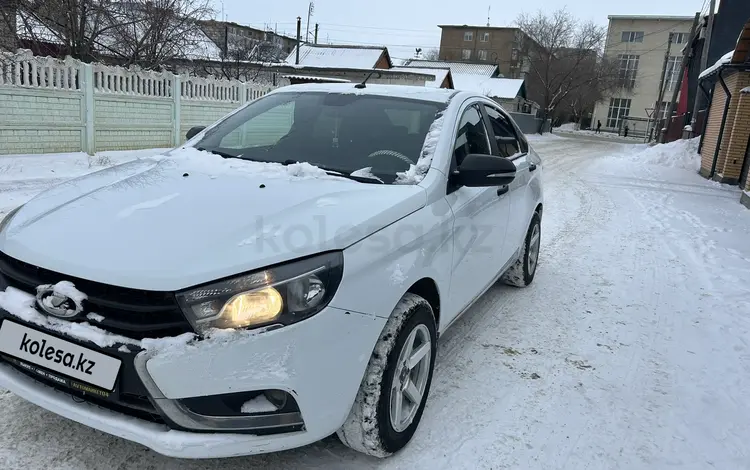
345	133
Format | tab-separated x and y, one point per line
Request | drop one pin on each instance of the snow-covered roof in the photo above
438	95
503	88
317	79
725	59
347	57
488	70
439	74
650	17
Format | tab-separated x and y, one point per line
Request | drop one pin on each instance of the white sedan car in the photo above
283	276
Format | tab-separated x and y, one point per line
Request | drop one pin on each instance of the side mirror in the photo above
484	171
194	131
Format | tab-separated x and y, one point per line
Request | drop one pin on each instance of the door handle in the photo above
532	167
502	190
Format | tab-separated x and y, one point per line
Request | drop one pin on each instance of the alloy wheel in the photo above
534	243
410	378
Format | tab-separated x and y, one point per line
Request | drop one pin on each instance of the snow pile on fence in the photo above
681	154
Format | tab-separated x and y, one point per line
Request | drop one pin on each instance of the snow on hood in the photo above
182	219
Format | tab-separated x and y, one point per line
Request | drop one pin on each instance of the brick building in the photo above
485	45
725	145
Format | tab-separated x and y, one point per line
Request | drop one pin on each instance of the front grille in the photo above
133	313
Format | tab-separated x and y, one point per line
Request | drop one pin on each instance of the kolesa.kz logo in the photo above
58	356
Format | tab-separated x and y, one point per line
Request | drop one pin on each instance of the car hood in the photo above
168	223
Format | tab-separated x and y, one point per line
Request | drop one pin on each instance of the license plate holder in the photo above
58	355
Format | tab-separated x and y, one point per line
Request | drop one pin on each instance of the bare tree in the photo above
431	54
151	33
245	60
564	58
59	27
598	80
148	33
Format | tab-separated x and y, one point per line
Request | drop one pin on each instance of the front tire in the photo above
522	272
393	393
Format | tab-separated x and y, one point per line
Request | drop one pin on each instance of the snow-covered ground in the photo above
629	351
23	176
570	129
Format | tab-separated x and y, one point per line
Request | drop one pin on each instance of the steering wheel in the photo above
392	153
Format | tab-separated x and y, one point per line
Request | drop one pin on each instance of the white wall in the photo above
50	105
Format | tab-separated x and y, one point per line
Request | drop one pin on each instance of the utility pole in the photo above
699	98
660	91
299	33
316	32
678	85
310	10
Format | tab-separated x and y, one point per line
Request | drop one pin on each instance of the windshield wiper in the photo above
219	153
338	172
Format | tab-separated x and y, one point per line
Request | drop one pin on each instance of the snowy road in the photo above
630	350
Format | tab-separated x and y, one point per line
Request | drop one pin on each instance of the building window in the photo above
469	36
482	55
632	36
679	38
628	69
466	54
672	74
514	54
485	37
619	108
663	110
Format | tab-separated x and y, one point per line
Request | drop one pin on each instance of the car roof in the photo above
438	95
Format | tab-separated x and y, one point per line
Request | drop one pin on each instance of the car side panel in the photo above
519	211
380	269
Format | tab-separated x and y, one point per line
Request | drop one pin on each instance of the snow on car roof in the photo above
438	95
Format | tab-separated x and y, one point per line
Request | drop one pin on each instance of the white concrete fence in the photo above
51	105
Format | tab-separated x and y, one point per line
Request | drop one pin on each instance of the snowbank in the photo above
681	154
569	126
542	137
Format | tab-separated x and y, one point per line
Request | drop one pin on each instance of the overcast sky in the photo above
403	25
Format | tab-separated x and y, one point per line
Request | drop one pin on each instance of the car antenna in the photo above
359	86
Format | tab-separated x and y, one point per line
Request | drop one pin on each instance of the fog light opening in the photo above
278	398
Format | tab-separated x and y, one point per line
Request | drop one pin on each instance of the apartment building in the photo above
240	41
639	44
485	45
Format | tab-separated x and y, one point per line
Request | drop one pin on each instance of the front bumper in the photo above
320	362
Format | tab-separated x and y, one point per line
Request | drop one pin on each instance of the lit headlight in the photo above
279	295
